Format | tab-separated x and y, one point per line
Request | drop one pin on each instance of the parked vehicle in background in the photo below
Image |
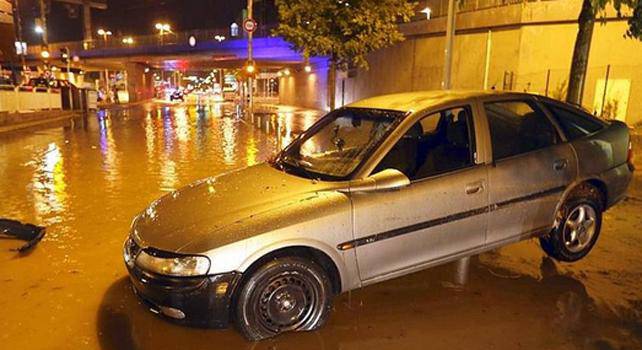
378	189
53	83
177	95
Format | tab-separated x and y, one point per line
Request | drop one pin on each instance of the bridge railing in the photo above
167	39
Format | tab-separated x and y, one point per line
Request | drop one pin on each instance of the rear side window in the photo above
518	127
575	125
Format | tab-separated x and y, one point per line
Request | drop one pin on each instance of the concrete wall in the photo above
15	100
305	89
529	44
7	35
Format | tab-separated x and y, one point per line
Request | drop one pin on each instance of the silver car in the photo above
378	189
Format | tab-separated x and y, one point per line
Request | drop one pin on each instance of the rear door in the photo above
532	166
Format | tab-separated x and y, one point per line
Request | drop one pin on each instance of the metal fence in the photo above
609	91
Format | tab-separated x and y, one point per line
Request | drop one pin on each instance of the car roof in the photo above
419	100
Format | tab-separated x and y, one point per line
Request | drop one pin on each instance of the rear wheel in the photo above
578	225
285	294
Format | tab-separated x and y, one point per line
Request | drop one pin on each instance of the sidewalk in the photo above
17	121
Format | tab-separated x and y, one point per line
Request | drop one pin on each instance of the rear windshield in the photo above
575	124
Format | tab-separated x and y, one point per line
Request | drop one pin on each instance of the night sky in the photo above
135	17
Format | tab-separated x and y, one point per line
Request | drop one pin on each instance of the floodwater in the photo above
87	179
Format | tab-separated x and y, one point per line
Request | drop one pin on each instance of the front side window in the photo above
438	143
518	127
573	123
335	146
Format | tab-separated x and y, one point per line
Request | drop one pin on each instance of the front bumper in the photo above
196	301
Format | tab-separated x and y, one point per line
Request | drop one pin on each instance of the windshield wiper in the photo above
298	165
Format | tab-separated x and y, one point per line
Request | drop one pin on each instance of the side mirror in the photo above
388	179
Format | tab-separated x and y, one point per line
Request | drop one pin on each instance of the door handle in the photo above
560	164
474	187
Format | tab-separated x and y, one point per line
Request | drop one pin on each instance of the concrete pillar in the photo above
139	83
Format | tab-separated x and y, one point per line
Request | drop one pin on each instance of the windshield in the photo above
336	145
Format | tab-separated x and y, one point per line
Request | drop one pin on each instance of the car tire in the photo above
577	227
285	294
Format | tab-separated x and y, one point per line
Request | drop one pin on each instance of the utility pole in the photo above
86	20
250	80
17	20
43	21
450	38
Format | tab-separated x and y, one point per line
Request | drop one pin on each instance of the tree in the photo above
345	31
586	22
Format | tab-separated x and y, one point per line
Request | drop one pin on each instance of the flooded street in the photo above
85	181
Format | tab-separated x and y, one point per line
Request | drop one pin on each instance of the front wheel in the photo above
285	294
578	226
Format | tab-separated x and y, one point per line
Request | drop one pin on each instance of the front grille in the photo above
130	251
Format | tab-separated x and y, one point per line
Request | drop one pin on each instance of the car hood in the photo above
204	207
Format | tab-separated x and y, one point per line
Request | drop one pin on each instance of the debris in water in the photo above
27	232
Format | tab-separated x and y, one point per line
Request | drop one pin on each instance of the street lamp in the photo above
104	33
307	68
427	11
38	29
286	72
44	54
162	28
250	68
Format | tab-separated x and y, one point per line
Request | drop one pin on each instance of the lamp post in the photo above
104	34
162	29
41	24
250	58
446	84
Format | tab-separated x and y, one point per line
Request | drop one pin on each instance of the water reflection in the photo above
87	183
49	185
229	140
490	313
107	146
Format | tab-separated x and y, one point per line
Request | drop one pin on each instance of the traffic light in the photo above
64	54
250	70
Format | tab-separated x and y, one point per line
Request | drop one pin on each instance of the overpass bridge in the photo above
211	49
177	52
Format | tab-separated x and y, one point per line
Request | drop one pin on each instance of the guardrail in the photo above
18	99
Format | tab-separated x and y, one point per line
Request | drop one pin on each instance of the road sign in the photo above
250	25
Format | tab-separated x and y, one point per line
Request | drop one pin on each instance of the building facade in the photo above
500	45
7	33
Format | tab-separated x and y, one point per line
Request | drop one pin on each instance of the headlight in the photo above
179	266
130	251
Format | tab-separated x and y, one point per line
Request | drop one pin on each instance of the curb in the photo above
39	122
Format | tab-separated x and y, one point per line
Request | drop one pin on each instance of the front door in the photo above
441	213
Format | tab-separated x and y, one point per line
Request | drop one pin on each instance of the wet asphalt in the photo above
86	179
